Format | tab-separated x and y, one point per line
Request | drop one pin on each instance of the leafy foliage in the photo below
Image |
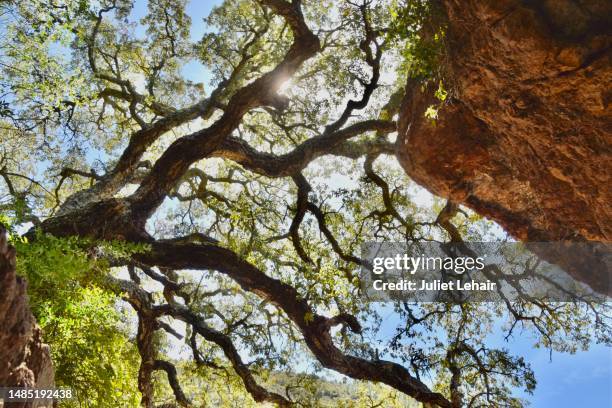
94	98
91	349
84	324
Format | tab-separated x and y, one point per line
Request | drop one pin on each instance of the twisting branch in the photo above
148	313
315	328
258	393
175	161
142	302
145	137
390	209
293	162
301	206
129	160
170	370
157	108
316	211
373	60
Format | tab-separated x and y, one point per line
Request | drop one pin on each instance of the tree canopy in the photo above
228	211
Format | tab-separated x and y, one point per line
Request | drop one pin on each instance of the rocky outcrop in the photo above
24	358
525	137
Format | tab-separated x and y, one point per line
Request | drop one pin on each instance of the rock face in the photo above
24	359
525	137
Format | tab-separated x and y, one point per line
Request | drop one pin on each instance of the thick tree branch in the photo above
175	161
170	370
258	393
293	162
130	158
314	327
148	313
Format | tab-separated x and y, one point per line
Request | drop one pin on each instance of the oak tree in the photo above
228	210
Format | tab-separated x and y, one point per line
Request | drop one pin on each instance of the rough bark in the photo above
292	163
524	138
24	359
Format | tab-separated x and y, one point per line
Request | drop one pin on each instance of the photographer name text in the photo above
435	285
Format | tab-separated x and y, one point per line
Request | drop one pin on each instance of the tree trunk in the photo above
525	136
24	360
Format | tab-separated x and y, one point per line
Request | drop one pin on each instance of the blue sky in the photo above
580	380
197	10
564	380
